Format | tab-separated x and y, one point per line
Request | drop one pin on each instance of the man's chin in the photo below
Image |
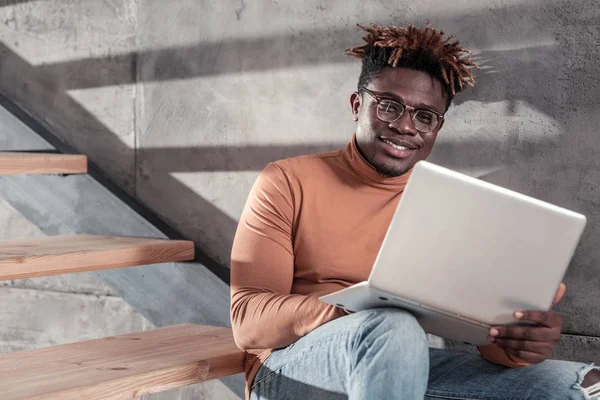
388	171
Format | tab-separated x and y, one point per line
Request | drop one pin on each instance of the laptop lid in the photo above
465	246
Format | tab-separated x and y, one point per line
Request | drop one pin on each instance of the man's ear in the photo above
355	101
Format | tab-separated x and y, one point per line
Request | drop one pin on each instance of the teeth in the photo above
394	145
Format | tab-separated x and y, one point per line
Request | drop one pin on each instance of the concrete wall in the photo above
184	102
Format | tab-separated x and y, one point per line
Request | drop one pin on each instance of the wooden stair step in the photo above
122	367
53	255
42	163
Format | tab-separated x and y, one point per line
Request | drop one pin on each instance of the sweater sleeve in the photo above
497	355
264	315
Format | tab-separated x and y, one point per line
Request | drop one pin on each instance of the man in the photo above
314	224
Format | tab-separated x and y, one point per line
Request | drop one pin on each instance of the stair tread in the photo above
53	255
122	367
13	163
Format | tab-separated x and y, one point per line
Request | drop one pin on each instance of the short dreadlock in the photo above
422	49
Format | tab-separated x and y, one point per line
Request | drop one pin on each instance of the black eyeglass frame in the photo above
412	110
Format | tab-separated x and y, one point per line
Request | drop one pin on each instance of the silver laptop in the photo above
462	254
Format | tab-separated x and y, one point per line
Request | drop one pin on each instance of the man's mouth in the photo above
398	146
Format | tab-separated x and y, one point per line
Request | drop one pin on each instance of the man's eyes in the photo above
390	105
424	116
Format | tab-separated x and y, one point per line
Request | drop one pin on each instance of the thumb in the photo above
559	294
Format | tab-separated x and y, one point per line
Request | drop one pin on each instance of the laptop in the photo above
462	255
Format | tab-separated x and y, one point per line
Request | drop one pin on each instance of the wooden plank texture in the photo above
122	367
41	163
54	255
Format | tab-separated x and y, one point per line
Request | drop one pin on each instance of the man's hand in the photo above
532	344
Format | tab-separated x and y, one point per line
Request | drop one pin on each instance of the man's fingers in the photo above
542	348
527	356
529	343
549	319
529	333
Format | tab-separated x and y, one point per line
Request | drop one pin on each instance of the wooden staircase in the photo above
119	367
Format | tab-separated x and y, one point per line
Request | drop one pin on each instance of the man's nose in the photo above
404	125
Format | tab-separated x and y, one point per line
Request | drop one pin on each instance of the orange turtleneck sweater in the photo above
312	225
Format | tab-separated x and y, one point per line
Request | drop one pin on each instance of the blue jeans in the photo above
384	354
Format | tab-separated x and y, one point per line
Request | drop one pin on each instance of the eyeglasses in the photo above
389	111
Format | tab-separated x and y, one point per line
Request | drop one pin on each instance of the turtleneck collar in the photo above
367	173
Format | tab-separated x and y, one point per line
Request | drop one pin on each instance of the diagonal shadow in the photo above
201	59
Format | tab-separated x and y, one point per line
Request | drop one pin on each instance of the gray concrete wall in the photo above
184	102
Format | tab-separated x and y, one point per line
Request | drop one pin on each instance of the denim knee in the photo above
396	333
391	319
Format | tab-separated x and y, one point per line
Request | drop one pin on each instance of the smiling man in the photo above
313	225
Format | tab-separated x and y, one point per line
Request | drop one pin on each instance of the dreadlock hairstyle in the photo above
423	49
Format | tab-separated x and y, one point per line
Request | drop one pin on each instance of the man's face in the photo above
381	142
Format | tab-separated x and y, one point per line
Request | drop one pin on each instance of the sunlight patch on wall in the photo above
113	106
227	191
